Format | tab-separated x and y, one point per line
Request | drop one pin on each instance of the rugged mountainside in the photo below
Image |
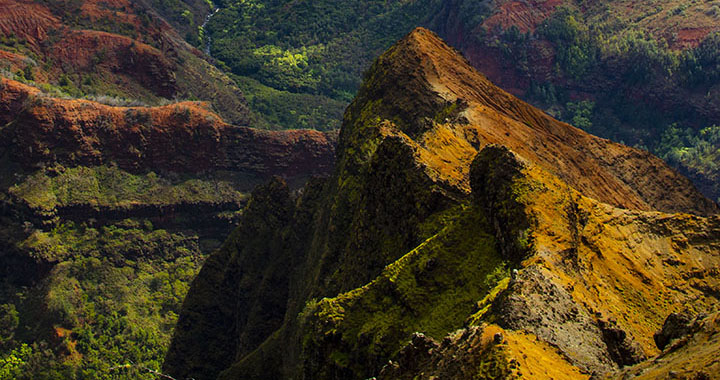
184	137
129	197
114	187
624	70
512	243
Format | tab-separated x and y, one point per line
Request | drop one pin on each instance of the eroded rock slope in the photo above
453	205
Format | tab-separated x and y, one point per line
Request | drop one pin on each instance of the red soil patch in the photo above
89	50
182	137
26	20
525	15
690	38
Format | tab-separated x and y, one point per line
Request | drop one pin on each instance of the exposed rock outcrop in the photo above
676	326
693	356
410	236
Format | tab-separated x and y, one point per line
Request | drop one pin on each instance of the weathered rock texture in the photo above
444	186
692	356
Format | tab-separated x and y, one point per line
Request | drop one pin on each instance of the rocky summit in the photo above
464	234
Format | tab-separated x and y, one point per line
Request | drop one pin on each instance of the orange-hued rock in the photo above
596	281
468	352
516	244
692	356
181	137
450	111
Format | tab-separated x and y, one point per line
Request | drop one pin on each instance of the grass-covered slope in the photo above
431	223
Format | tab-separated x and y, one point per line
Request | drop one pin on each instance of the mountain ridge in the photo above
460	83
89	133
404	237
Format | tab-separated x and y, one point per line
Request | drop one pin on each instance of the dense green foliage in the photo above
588	55
319	48
111	302
695	153
185	15
284	109
111	186
611	80
608	74
432	289
104	259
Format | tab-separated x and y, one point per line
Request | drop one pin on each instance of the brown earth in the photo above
691	356
434	76
182	137
596	281
525	15
89	50
28	20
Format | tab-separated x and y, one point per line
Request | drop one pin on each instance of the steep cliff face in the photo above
456	205
113	187
183	137
107	212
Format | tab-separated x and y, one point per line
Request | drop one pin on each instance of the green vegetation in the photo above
111	186
431	289
581	113
494	365
695	153
640	72
630	59
131	239
320	48
112	301
98	299
185	15
284	109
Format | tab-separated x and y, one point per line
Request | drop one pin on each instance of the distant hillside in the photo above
618	69
116	52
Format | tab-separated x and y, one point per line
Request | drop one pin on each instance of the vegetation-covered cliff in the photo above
496	240
116	182
463	233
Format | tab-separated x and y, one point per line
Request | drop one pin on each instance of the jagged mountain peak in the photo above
424	90
445	183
